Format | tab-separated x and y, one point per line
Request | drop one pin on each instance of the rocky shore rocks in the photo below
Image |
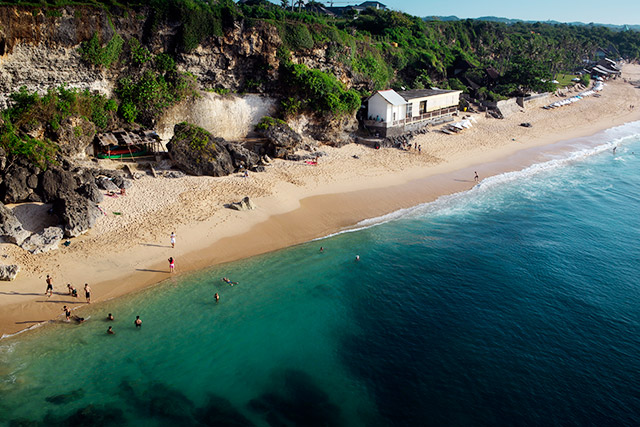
10	227
43	242
244	205
8	272
196	152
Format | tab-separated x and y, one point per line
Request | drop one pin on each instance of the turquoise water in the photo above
516	303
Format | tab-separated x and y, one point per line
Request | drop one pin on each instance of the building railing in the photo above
409	120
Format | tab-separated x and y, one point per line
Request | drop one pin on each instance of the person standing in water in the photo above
173	239
217	297
138	322
614	150
67	312
110	331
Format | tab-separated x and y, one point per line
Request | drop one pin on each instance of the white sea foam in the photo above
30	328
613	137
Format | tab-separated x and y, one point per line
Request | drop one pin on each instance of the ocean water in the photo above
514	303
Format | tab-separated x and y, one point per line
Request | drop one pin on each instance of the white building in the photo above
393	113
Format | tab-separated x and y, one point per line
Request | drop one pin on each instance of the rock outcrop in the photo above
282	140
8	272
74	135
77	213
196	152
56	182
43	242
10	227
244	205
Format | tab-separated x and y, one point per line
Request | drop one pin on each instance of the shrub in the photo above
321	92
94	53
266	122
140	55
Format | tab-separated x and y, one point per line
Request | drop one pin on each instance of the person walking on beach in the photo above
138	322
49	286
67	312
87	293
476	178
173	239
172	264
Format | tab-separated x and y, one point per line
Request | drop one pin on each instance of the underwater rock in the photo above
219	412
297	400
61	399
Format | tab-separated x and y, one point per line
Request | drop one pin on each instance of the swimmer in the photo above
217	297
614	150
231	283
357	257
110	316
321	249
110	331
138	322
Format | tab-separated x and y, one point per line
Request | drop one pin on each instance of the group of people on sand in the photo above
70	288
137	323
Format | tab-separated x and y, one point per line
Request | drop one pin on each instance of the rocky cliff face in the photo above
40	51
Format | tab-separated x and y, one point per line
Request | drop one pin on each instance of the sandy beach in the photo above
296	202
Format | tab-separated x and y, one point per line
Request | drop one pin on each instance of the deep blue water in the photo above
515	303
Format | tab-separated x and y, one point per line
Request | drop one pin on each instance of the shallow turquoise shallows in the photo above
515	303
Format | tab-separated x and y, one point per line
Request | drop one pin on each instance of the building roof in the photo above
422	93
374	4
392	97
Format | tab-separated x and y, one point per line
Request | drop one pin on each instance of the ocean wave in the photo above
613	137
30	328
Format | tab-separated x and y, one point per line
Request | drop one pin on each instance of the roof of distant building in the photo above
421	93
374	4
392	97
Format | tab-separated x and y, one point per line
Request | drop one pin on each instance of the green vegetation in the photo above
320	91
32	114
199	139
93	52
266	122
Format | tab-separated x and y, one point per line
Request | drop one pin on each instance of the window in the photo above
423	107
409	110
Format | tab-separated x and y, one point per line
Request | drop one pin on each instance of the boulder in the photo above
78	214
106	184
74	135
10	227
242	156
244	205
14	185
91	191
43	242
196	152
173	174
282	140
55	182
8	272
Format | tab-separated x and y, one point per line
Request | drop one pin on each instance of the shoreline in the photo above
297	204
